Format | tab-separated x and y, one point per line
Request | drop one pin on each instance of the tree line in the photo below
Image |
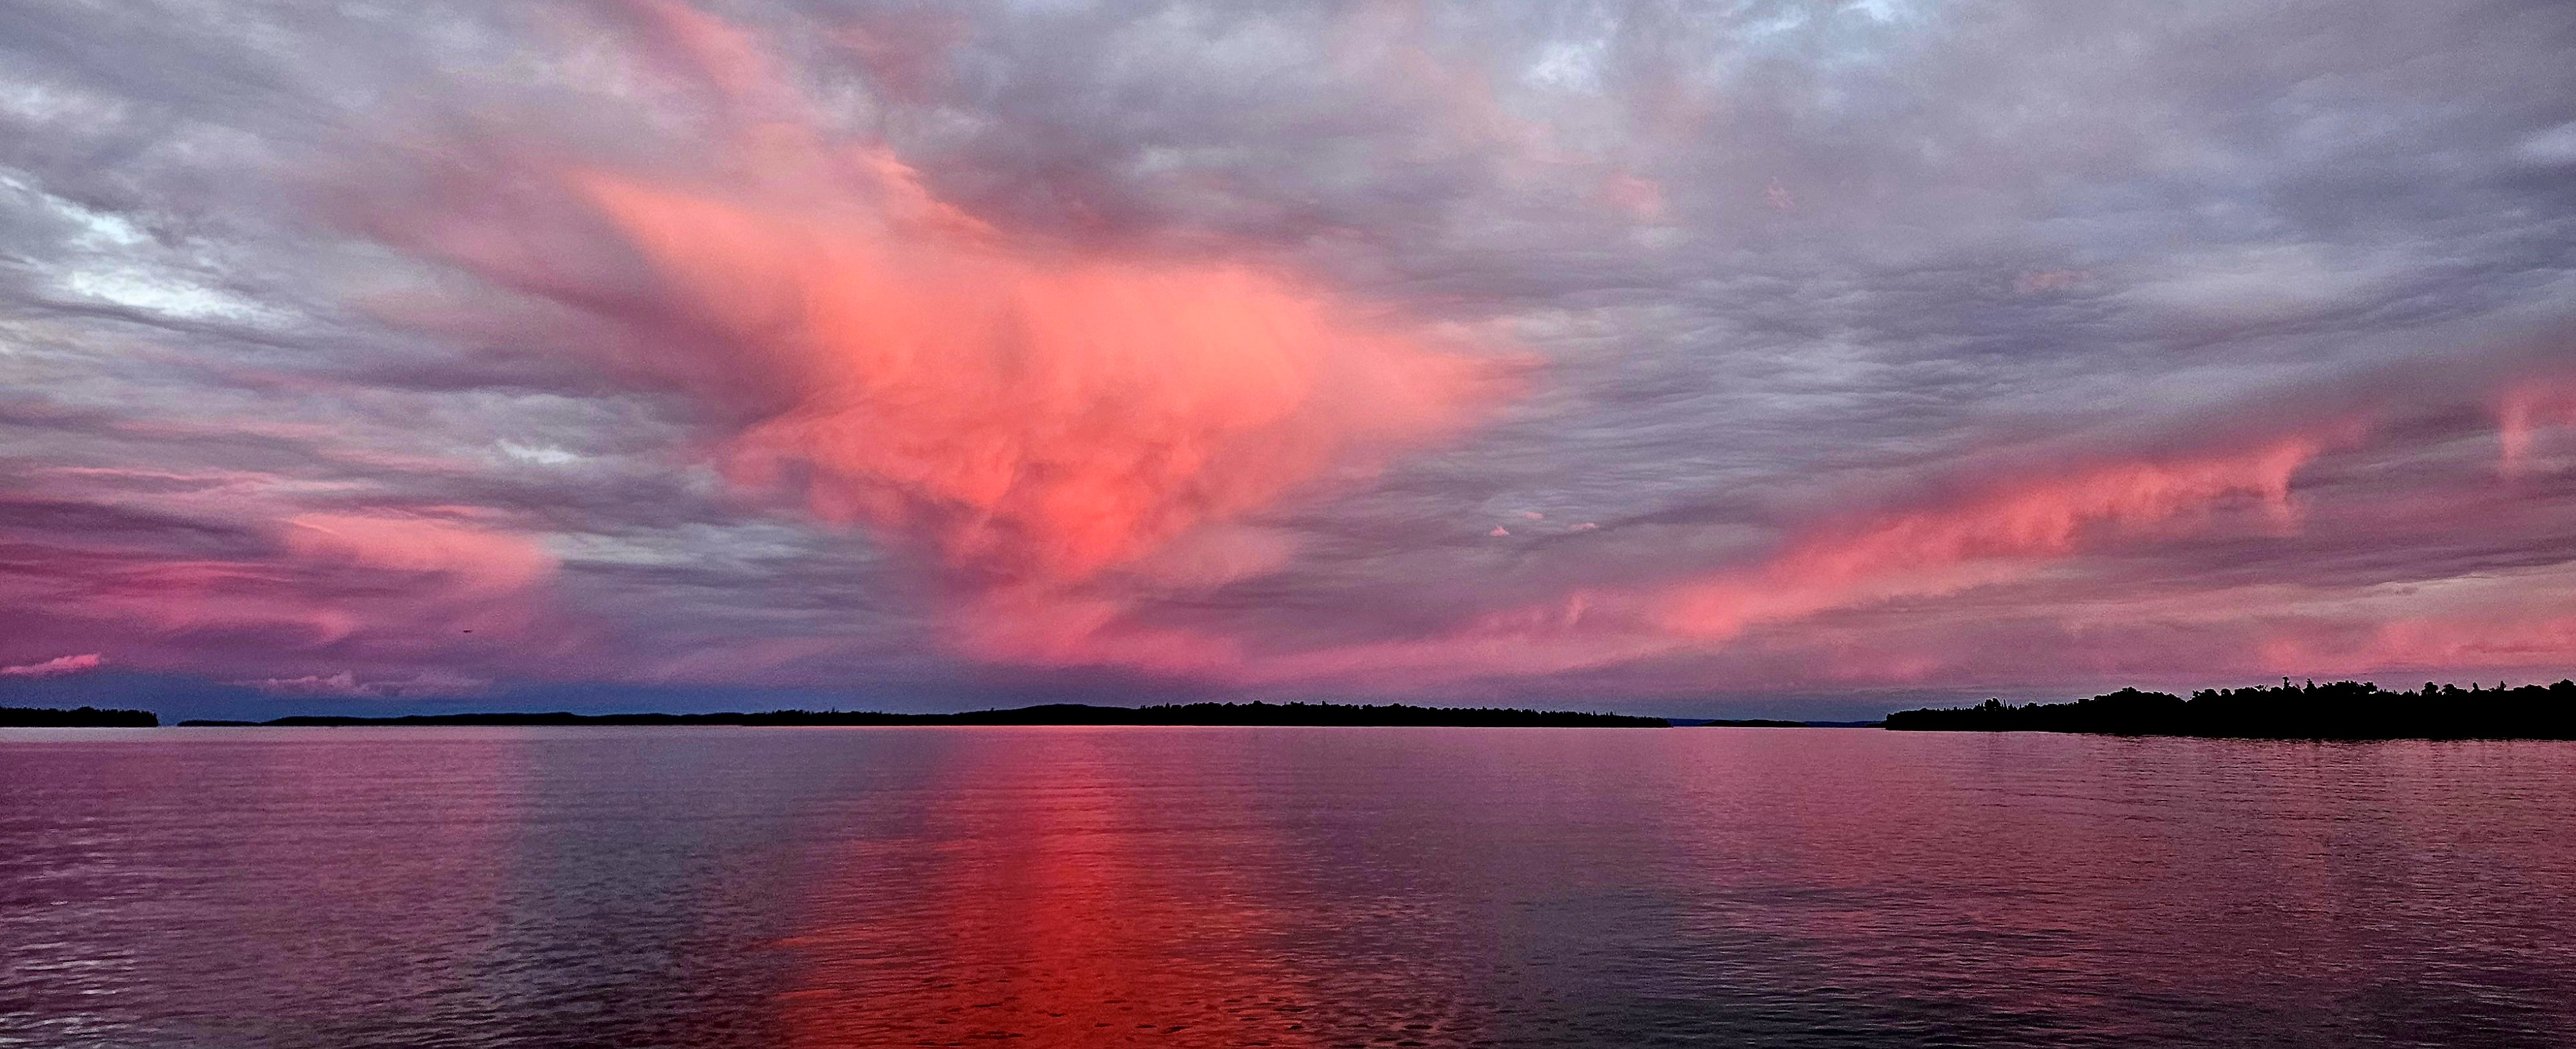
2334	710
78	717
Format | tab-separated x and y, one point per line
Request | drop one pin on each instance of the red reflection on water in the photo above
1055	904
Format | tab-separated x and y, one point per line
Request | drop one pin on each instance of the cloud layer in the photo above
1728	358
57	666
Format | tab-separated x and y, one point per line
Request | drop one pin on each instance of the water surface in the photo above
1287	887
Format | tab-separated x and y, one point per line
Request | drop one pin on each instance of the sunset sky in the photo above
1739	358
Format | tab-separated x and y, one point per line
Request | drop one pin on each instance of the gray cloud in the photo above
1770	269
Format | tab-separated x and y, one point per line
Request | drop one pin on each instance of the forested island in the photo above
2335	710
1247	714
77	717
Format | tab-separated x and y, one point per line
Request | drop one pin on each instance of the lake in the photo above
1284	887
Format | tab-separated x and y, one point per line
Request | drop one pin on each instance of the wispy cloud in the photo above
57	666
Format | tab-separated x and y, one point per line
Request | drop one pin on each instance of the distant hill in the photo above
1047	714
2335	710
77	717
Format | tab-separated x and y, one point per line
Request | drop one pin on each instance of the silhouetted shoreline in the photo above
1245	714
77	717
2335	710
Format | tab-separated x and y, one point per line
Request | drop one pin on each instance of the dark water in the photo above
1288	887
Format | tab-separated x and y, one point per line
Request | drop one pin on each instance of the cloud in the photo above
2542	643
796	344
471	558
57	666
2035	282
1046	419
2553	147
1995	533
2527	410
346	685
1951	547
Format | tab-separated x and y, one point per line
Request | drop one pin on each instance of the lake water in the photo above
1285	887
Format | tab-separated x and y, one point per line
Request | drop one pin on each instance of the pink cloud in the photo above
1054	424
471	558
371	588
1641	197
1013	408
392	579
1039	625
2526	410
725	55
2003	533
57	666
2513	642
1992	535
1016	407
1075	433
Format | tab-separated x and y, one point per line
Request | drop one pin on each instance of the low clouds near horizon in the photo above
57	666
1648	357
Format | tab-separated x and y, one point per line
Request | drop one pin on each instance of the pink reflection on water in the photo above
1058	907
2041	875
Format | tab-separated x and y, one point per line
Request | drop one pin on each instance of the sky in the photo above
1780	359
